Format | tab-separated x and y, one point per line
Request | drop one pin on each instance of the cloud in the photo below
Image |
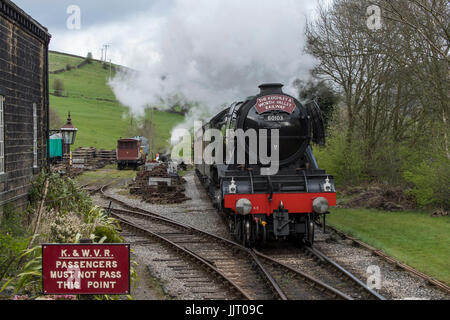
216	52
53	13
211	51
125	37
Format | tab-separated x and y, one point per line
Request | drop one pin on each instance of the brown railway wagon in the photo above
24	103
129	153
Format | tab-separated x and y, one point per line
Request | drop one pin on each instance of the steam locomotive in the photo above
258	206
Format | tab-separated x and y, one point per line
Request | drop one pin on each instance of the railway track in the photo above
225	260
253	274
203	278
92	188
316	264
433	282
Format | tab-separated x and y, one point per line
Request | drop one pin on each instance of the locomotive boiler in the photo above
261	206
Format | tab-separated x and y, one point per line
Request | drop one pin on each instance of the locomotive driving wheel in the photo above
244	231
310	227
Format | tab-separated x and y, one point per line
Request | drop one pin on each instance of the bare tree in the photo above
394	80
422	46
360	69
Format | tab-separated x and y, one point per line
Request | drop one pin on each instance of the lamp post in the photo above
69	132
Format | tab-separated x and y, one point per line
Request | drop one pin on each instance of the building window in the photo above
35	137
2	136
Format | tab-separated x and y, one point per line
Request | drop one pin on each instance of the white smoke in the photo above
216	52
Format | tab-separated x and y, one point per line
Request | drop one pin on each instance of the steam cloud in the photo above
216	52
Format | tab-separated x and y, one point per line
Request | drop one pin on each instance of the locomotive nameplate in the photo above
275	103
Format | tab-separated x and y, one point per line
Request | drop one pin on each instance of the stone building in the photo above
24	103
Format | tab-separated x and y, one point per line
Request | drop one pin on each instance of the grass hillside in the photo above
100	119
59	61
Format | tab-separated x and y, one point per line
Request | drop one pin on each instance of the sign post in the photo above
92	269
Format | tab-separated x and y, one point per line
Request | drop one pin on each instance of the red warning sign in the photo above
275	103
86	269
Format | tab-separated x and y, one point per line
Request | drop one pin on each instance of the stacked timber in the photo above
91	158
106	156
157	186
84	158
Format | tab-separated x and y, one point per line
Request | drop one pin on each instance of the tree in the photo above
422	45
89	57
56	122
394	82
58	87
320	91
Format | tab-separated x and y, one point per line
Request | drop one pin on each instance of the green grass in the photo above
89	81
60	61
415	238
101	119
98	124
104	175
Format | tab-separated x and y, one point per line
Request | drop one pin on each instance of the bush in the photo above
13	222
58	87
10	248
385	163
68	216
345	163
63	194
108	234
430	180
64	228
56	122
13	240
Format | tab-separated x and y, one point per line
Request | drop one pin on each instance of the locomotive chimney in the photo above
271	88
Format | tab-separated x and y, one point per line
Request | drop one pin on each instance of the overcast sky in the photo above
52	13
101	22
212	51
128	23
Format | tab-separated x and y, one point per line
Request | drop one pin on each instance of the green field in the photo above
100	119
415	238
60	61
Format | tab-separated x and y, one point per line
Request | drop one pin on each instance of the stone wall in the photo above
23	83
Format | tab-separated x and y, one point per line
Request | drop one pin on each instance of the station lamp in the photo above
69	132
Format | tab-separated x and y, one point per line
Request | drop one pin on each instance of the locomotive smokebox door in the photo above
281	223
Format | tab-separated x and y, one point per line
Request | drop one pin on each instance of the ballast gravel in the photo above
391	282
198	212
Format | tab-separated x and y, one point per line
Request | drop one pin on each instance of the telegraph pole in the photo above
152	130
106	51
110	69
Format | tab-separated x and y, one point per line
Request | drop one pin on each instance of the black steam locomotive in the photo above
259	205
